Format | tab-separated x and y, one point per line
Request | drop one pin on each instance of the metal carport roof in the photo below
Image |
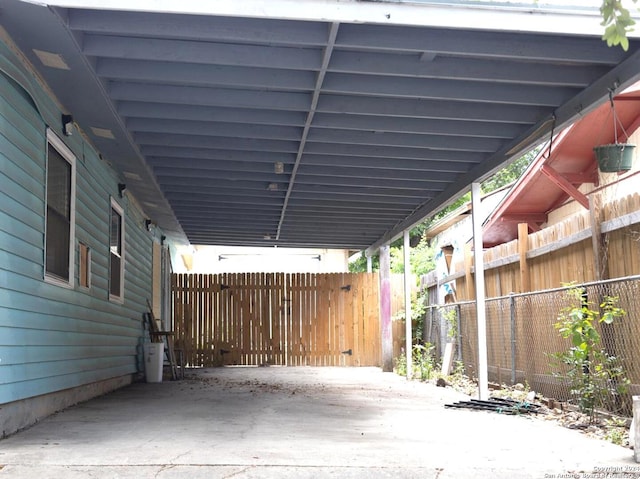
318	122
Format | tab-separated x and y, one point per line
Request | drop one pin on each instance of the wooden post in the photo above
369	264
601	269
523	247
406	248
468	278
483	376
634	433
385	309
600	263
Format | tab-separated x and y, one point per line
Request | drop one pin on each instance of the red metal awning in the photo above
557	172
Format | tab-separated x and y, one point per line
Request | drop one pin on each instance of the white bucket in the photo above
153	362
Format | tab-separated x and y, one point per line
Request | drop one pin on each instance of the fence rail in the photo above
522	338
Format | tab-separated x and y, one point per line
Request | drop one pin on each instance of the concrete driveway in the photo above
298	422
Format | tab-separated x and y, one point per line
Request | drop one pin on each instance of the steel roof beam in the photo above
387	163
437	109
205	168
221	187
357	191
256	218
371	217
210	201
204	75
376	173
180	201
326	57
214	129
347	228
218	174
174	111
207	96
532	73
215	142
175	155
401	140
371	198
393	153
183	51
198	28
188	185
418	126
447	89
382	183
545	48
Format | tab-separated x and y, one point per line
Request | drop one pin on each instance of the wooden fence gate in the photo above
277	319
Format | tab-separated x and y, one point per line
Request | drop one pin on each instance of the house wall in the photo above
59	345
237	259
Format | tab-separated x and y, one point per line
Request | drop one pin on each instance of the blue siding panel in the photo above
19	373
18	229
53	337
31	179
12	355
21	249
37	387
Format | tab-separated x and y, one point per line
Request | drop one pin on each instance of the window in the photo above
116	253
84	262
60	212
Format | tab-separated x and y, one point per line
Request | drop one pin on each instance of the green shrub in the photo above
593	374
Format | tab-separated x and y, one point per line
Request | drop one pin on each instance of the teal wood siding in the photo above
52	337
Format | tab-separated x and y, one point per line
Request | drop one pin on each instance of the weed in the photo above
450	316
593	374
423	359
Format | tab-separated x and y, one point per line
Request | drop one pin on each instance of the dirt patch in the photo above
254	385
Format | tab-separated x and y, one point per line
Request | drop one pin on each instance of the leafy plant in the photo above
423	359
593	374
450	316
617	431
400	364
617	22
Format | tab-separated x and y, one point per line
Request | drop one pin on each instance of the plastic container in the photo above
153	362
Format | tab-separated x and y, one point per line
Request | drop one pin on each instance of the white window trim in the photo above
116	206
68	155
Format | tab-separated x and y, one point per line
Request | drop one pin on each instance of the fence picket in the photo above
276	318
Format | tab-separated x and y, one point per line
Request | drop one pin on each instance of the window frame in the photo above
65	152
115	206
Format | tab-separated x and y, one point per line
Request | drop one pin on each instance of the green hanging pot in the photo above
615	157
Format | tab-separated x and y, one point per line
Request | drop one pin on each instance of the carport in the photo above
320	123
334	124
299	423
314	123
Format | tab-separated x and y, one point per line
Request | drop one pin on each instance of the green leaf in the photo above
576	339
608	317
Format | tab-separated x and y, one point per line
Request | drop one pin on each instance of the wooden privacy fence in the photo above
277	319
556	255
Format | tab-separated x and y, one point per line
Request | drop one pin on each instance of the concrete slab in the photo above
299	422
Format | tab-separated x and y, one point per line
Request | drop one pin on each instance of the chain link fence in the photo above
523	340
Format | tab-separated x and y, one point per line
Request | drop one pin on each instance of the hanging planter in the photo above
615	157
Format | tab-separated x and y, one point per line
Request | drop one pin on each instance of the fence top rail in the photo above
542	291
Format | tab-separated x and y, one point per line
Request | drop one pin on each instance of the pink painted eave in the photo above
571	153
